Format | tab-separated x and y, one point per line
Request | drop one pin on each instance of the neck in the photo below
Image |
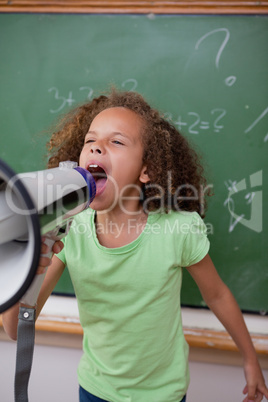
117	228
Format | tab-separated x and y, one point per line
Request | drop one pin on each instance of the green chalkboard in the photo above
206	73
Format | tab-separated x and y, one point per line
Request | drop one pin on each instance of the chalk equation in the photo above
63	101
190	122
193	123
83	92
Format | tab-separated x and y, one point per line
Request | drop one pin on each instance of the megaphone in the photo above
32	205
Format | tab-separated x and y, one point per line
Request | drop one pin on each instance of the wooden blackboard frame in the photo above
135	6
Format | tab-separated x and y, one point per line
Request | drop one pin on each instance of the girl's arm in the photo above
220	300
54	271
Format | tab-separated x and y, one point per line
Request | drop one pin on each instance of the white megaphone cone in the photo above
34	204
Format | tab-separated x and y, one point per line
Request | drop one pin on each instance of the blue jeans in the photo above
85	396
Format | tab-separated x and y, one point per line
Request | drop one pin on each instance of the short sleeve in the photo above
61	254
196	244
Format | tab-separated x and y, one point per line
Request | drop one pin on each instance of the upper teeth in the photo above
93	166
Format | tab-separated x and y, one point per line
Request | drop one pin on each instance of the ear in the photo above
144	177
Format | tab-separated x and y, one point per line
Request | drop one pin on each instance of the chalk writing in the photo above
231	186
254	198
194	124
227	36
229	81
222	113
249	197
90	92
256	122
132	81
62	100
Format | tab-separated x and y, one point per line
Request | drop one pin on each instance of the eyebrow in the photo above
112	133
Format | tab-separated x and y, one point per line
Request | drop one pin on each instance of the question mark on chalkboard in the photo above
229	81
222	113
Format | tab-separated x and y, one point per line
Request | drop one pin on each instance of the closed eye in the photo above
116	142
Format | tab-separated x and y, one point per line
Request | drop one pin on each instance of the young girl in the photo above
125	254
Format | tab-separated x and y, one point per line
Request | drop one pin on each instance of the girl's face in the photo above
113	153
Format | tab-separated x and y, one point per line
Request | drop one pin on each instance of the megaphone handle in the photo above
31	295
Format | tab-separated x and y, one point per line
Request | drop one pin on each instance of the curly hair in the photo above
177	180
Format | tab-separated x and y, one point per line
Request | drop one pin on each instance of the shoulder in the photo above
181	222
177	226
183	232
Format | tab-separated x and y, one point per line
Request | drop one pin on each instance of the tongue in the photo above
100	183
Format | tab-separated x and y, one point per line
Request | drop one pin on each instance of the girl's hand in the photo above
44	262
255	388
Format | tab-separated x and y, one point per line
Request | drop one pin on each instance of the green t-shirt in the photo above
129	306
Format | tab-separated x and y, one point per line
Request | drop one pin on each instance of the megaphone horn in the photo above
34	204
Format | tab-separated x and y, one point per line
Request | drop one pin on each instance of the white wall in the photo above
53	377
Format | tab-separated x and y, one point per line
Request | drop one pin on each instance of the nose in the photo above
96	148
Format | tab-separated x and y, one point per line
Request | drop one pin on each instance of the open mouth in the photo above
99	176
